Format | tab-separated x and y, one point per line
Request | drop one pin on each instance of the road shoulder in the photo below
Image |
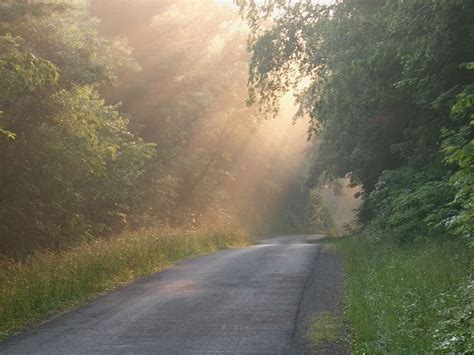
319	327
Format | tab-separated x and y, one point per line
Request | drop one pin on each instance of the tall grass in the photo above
49	282
408	299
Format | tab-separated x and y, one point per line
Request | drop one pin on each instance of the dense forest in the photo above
109	123
390	93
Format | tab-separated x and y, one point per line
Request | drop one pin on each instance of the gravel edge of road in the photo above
323	292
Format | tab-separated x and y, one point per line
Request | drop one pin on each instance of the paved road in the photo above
235	301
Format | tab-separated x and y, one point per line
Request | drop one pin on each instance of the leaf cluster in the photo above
70	168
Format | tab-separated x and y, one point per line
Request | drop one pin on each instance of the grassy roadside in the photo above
411	298
49	283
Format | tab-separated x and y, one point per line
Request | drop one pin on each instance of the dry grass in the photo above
50	282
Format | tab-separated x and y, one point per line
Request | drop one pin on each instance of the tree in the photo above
73	169
382	76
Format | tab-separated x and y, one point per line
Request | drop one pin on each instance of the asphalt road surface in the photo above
247	300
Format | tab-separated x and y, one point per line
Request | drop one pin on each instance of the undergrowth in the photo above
50	282
403	298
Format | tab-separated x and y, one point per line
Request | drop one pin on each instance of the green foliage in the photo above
49	282
414	298
65	34
438	199
409	204
458	150
382	78
73	169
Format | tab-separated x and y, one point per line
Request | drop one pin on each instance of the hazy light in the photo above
230	2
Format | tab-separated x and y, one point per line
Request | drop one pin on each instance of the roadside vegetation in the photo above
405	299
49	282
389	88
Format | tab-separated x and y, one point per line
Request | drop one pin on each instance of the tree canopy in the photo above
123	114
389	94
69	167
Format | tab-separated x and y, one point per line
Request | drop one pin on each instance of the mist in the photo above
227	162
148	106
